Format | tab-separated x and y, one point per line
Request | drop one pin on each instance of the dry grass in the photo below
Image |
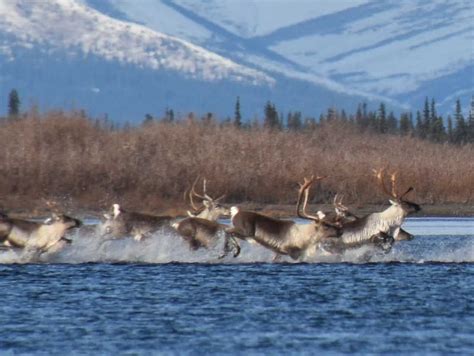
69	158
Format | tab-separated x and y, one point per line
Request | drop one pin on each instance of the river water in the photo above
156	297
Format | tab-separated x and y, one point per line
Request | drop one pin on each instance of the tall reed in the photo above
68	157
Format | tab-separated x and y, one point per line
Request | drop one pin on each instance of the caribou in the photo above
211	209
201	229
123	223
284	237
41	237
343	216
383	224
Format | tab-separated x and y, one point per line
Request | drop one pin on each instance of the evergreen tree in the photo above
271	120
373	122
419	128
404	124
438	131
148	119
433	114
392	123
237	115
460	132
450	132
332	114
343	116
294	121
13	104
382	119
426	125
169	115
470	121
358	117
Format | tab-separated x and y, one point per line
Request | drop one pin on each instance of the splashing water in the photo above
444	241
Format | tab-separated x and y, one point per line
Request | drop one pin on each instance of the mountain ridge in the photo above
184	59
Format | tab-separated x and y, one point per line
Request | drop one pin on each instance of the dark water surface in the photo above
423	305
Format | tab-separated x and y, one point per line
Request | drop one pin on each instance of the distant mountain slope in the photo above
98	56
132	57
399	51
74	27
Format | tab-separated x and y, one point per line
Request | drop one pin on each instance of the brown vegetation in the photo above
85	164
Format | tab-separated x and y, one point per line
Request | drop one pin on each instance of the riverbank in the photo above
274	210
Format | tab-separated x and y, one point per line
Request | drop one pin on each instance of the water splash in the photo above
166	247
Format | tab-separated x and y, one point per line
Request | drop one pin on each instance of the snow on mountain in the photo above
129	57
394	51
176	18
391	51
125	59
61	24
250	18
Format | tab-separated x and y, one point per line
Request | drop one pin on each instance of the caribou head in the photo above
396	199
210	209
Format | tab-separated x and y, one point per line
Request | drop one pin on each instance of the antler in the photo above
379	174
338	203
192	193
204	196
304	189
393	179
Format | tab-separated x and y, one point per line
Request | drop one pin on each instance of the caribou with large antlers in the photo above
343	216
201	228
385	223
284	237
211	209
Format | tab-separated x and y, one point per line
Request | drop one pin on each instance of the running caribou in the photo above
37	236
123	223
383	224
284	237
201	228
343	216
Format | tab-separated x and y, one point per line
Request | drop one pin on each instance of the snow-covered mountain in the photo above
131	57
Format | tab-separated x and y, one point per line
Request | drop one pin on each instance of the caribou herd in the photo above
312	234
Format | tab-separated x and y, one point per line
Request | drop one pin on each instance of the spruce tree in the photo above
382	119
450	132
426	119
237	115
13	104
470	121
343	116
392	123
332	114
148	119
460	132
271	120
404	124
294	121
169	115
438	131
419	128
358	119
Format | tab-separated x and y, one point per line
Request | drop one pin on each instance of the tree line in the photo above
425	124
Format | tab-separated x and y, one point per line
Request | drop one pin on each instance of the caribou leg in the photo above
230	245
277	257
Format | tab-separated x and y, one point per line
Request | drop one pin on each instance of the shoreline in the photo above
283	211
